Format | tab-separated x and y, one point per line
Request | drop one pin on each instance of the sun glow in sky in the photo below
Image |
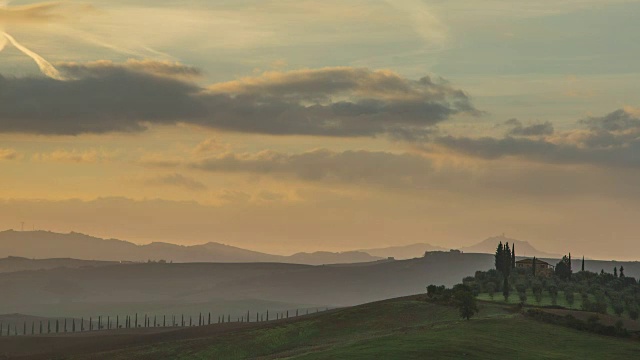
302	125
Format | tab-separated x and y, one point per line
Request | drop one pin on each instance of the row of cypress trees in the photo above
63	326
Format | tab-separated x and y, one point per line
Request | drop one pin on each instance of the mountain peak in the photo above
523	248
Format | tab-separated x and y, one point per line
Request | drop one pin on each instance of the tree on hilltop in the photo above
563	268
465	301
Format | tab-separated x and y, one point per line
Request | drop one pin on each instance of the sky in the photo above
286	126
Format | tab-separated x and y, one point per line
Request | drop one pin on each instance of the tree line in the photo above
72	325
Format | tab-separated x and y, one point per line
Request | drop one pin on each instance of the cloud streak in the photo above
45	66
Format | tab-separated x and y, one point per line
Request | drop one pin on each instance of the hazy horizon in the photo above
484	245
288	126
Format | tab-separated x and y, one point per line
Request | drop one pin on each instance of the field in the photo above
403	328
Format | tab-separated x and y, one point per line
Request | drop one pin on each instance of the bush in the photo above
537	291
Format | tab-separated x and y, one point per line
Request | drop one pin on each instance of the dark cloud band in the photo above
107	97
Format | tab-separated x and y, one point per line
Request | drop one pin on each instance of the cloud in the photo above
342	102
72	156
517	129
8	154
351	167
209	145
41	12
177	180
106	68
612	140
619	120
108	99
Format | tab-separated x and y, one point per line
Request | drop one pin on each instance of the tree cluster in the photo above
460	296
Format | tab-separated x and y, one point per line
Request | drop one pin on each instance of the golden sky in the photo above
287	126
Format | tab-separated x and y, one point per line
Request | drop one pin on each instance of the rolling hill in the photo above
192	287
401	328
234	288
45	245
14	263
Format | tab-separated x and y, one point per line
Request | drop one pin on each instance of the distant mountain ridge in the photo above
523	248
47	245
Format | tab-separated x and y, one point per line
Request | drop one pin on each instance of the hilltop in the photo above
401	328
523	248
403	251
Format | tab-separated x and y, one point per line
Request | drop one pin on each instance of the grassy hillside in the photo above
404	328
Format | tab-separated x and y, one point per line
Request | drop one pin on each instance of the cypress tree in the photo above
267	315
248	320
65	324
506	262
190	321
582	268
182	320
229	318
513	256
99	322
534	263
136	323
505	288
499	256
209	322
615	272
570	266
621	271
164	320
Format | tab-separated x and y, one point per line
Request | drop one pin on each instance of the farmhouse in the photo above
528	264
